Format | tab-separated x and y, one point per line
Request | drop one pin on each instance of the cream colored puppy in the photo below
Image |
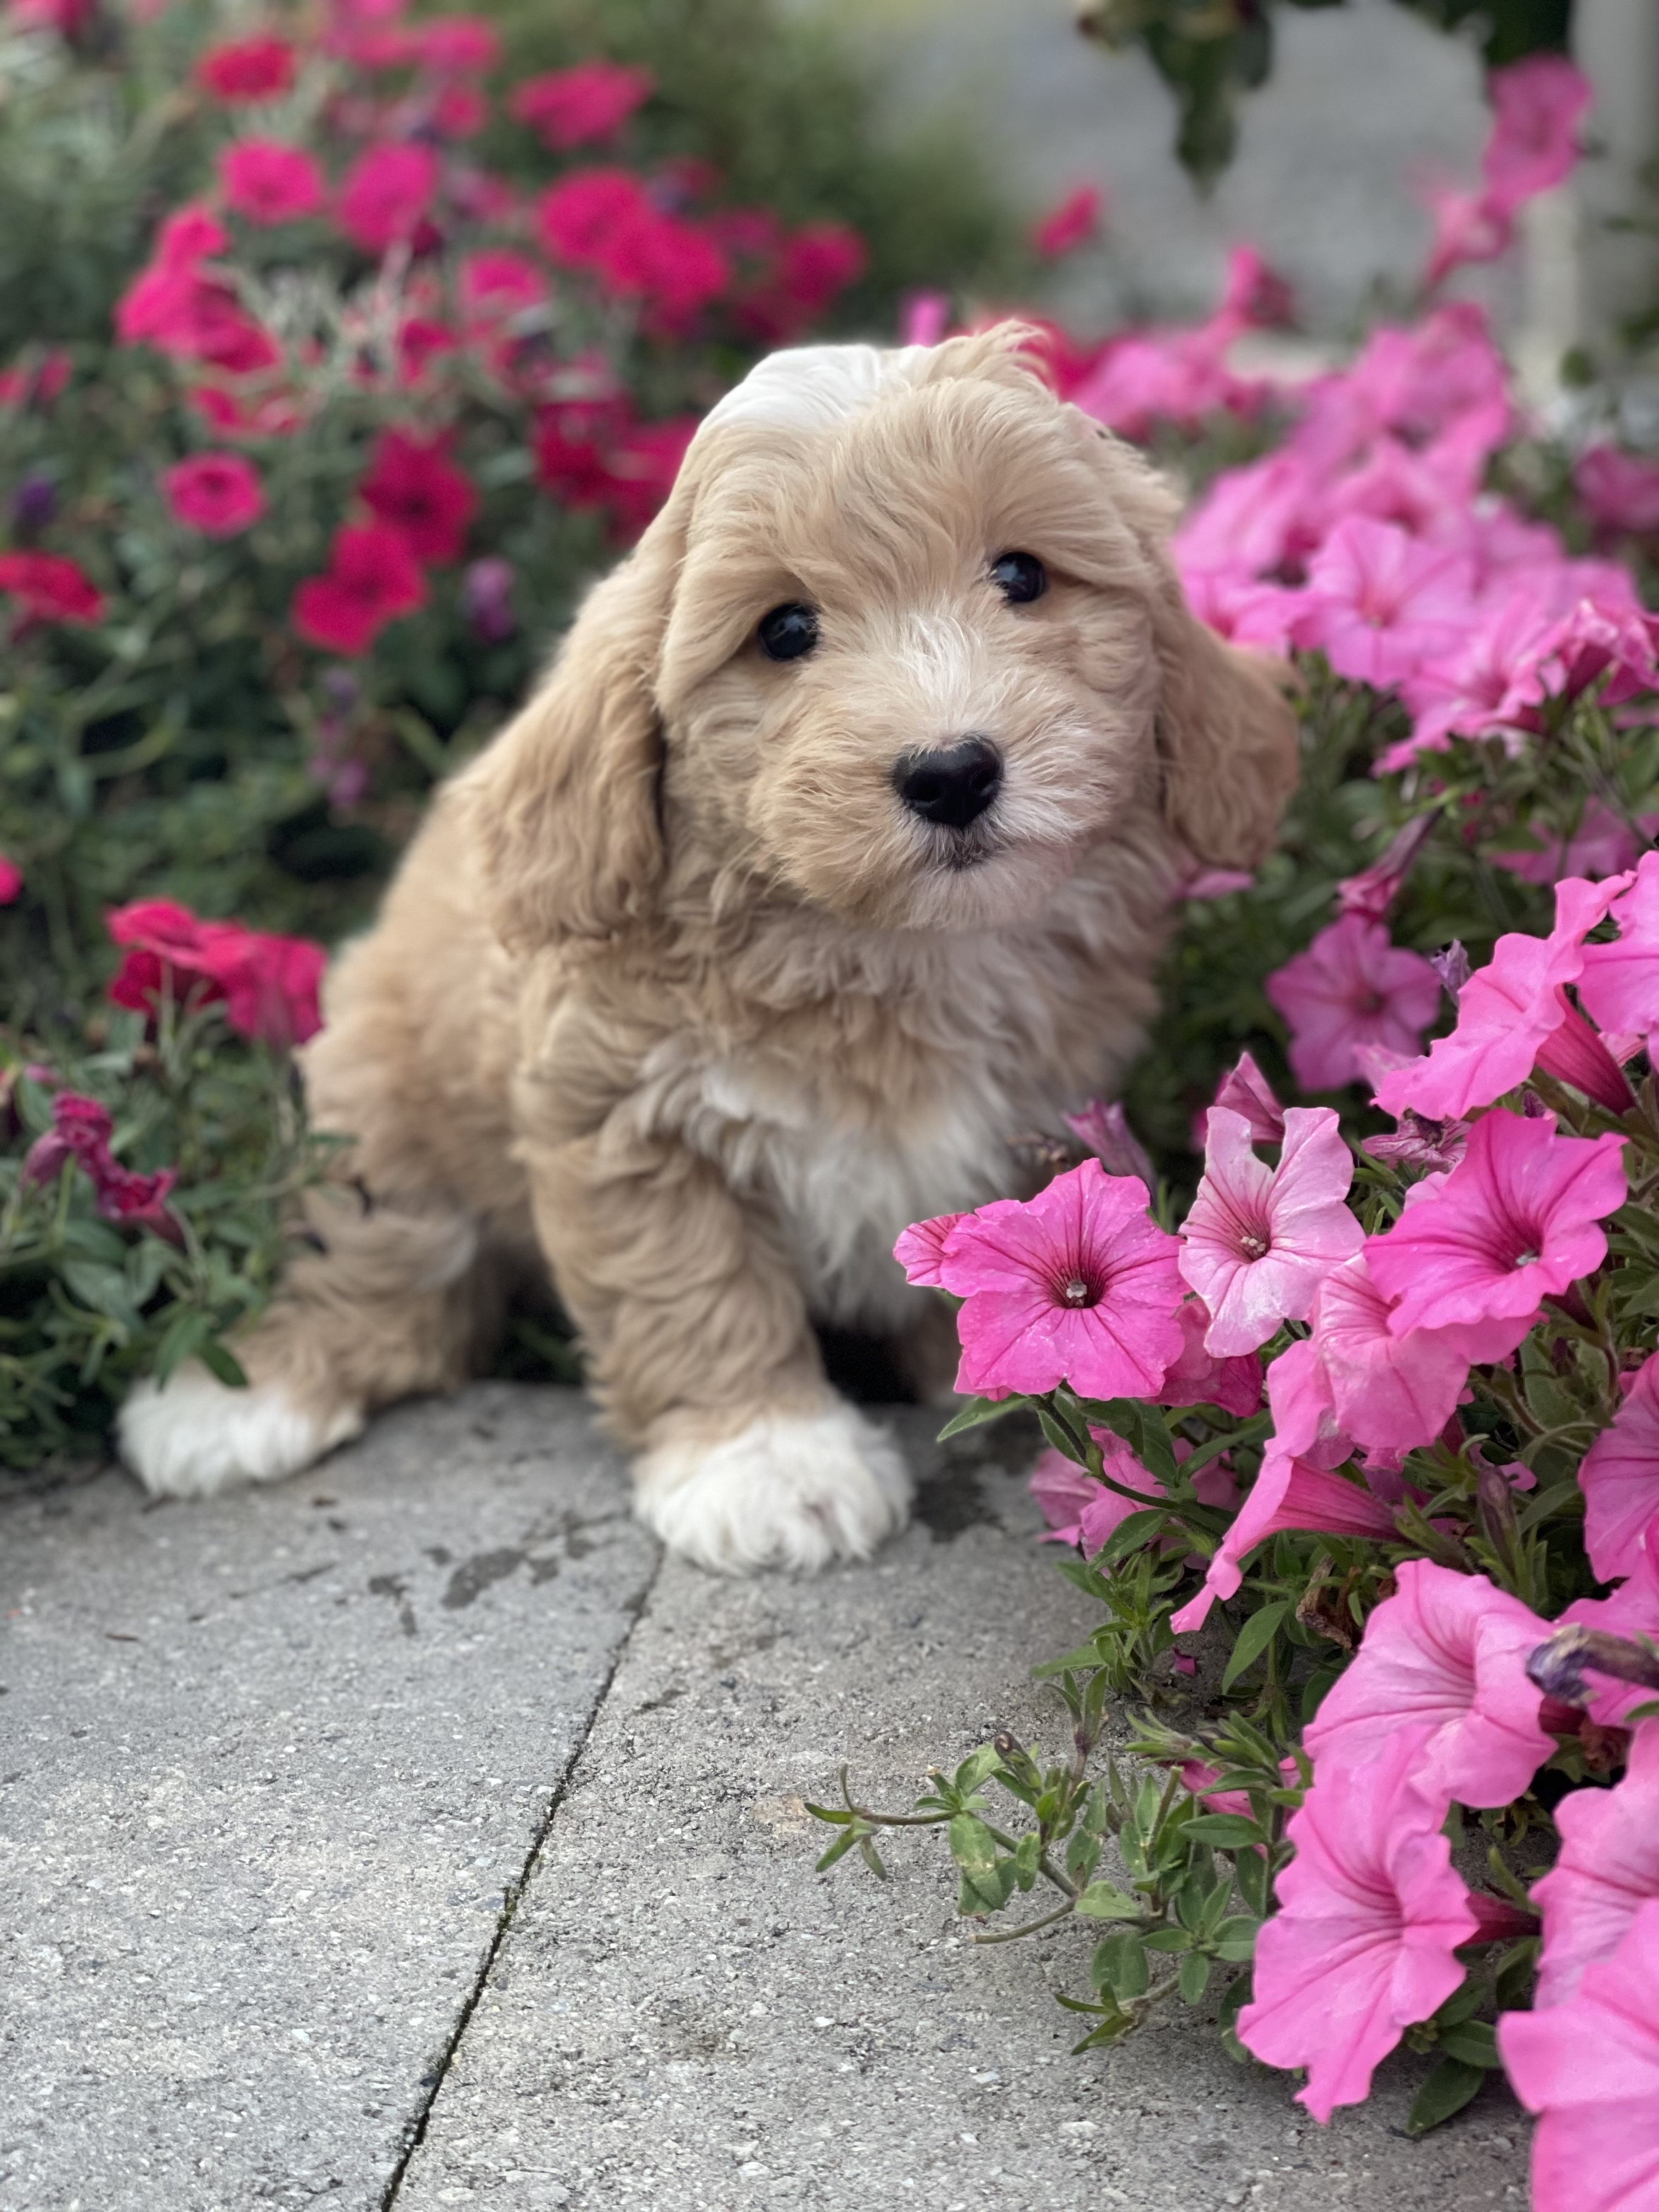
835	847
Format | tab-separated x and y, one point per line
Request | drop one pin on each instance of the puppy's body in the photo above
674	990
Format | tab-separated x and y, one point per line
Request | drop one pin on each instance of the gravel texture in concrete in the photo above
682	2013
269	1768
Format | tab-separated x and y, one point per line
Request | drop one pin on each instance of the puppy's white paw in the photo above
197	1436
791	1489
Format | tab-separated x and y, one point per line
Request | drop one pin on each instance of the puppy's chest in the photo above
844	1160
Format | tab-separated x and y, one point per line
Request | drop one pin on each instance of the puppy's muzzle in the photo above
953	785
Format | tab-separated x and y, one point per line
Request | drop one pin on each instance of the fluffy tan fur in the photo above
672	992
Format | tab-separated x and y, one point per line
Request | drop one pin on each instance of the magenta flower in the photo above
1077	1285
1364	1944
1447	1654
1619	490
1390	1392
1258	1239
1618	983
1420	1143
1602	845
1508	1012
1247	1090
80	1132
1589	2068
1620	1478
1105	1130
1352	987
268	182
1072	223
921	1246
1287	1493
1606	1869
1468	226
1198	1378
1380	603
1516	1224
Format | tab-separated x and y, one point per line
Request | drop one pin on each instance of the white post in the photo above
1582	279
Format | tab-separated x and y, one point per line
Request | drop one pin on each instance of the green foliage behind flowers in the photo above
88	1303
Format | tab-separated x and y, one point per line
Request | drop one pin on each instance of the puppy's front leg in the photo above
698	1345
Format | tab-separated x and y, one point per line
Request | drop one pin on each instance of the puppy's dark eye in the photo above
1020	577
788	632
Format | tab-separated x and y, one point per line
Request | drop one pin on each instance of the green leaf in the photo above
973	1846
1131	1533
1167	1939
1450	2084
1235	1940
976	1768
976	1414
1062	1437
1473	2042
1193	1977
1026	1856
220	1360
1225	1831
1120	1963
1257	1633
1104	1901
839	1848
105	1289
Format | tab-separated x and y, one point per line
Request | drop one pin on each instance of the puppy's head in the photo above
904	645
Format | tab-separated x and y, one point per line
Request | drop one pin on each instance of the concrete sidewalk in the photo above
410	1835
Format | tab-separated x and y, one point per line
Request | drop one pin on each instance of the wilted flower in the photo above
1105	1130
80	1132
1245	1090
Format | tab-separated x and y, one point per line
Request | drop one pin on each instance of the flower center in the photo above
1254	1245
1077	1292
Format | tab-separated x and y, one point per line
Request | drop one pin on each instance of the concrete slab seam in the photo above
512	1899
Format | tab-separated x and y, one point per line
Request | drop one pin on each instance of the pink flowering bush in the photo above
1396	1629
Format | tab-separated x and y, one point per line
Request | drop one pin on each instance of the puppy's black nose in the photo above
952	787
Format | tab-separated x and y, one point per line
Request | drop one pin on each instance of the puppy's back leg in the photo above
394	1303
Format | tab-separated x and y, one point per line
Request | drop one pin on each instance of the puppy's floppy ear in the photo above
561	810
1226	738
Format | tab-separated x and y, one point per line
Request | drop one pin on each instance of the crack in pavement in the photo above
512	1898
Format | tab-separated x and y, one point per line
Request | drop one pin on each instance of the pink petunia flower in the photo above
1390	1393
1631	1609
1374	889
1352	987
1532	147
413	488
920	1249
1508	1013
1618	983
1258	1240
1198	1378
50	587
1447	1654
1105	1130
247	70
372	578
386	194
1468	226
11	881
80	1132
1380	603
1287	1493
1603	844
268	182
1080	1511
1517	1222
268	985
1606	1869
1245	1090
572	106
1075	220
1371	1914
1492	680
1076	1285
1620	490
221	495
1419	1143
1589	2068
1620	1478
